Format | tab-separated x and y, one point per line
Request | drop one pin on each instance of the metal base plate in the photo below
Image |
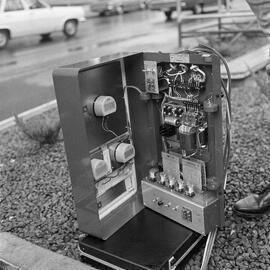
148	241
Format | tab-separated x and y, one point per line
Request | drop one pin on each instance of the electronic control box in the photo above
144	129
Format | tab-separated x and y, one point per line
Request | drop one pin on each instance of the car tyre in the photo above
198	9
46	37
4	39
70	28
168	15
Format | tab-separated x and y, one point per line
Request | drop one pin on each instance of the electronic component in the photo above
171	165
122	152
171	182
194	173
187	138
99	168
173	121
163	178
153	173
151	81
180	187
107	158
198	212
101	105
203	135
187	214
190	190
209	106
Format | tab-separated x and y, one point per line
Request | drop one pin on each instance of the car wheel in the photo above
198	9
4	38
168	15
70	28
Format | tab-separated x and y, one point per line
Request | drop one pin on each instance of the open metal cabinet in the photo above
143	138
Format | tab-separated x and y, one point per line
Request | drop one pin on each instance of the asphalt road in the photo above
26	65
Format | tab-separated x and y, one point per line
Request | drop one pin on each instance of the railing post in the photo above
179	23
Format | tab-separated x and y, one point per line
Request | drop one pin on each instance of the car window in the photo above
13	5
33	4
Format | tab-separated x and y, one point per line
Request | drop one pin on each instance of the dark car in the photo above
168	6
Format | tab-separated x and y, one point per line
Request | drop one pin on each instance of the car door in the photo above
41	17
14	18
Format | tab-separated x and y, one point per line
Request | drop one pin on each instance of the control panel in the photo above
197	213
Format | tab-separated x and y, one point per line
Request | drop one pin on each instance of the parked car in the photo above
168	6
104	7
30	17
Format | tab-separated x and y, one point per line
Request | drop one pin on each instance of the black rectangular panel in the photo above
147	241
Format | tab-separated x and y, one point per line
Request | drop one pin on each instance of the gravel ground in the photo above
37	205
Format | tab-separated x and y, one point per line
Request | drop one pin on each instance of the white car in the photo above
28	17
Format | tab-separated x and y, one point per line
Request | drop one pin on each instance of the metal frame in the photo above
99	260
220	15
69	89
172	266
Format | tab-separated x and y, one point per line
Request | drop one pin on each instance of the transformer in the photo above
144	130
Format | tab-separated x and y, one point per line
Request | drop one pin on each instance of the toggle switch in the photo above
190	191
160	203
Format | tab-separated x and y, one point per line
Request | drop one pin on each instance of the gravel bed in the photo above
37	204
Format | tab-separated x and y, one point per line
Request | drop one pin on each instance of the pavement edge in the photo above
24	255
9	122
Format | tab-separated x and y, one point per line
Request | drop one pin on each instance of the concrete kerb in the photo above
9	122
27	256
243	66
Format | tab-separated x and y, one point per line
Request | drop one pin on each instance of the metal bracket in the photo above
171	265
208	249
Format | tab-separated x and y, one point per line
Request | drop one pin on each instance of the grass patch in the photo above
43	130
